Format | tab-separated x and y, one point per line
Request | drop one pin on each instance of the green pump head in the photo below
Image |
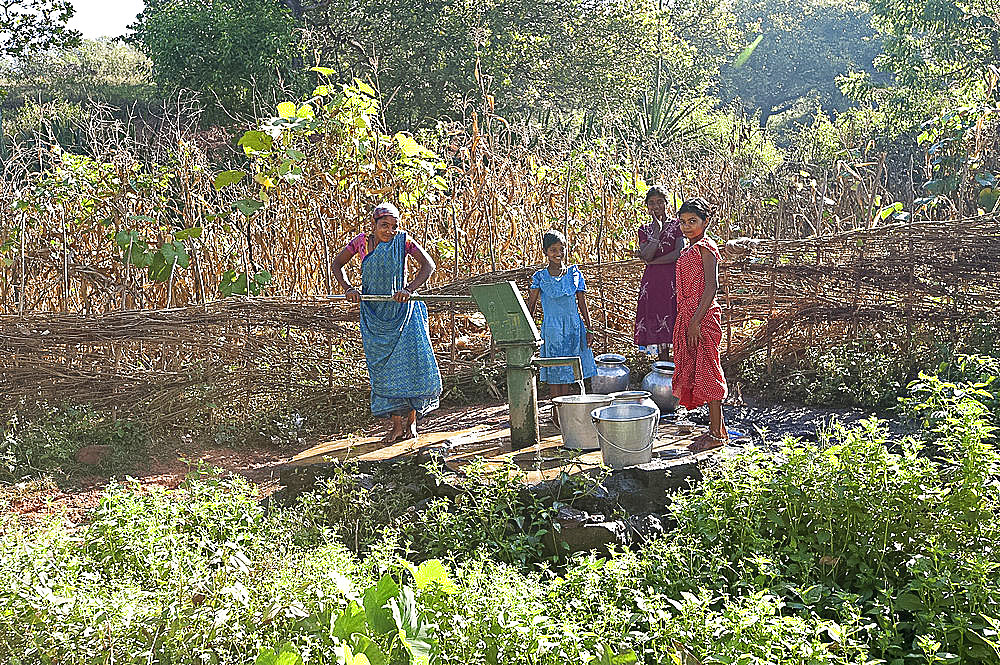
506	314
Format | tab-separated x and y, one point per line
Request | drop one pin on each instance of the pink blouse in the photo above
360	246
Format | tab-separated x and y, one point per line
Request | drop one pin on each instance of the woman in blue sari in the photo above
404	374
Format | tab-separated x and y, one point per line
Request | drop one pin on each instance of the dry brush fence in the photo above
240	351
80	321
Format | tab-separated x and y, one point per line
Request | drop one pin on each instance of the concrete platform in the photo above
462	435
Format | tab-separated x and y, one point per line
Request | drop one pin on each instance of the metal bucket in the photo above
575	422
634	397
626	433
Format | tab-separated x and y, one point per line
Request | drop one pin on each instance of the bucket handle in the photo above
647	446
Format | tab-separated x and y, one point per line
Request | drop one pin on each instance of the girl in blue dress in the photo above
565	319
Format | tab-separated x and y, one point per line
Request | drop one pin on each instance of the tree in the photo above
938	44
224	49
435	58
797	49
101	70
32	26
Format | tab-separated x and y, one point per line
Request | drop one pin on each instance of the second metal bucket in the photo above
626	433
575	422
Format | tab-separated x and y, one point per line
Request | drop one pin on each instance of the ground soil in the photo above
71	499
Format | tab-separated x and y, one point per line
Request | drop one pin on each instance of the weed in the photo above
45	440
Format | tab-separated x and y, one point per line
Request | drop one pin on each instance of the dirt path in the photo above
35	501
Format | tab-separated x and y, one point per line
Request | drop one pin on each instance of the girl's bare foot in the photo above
706	442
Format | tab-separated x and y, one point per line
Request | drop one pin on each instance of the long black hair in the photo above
698	206
550	238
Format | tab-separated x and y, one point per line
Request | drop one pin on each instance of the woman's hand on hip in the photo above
402	295
590	339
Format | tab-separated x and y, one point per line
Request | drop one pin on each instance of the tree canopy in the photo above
32	26
227	49
797	49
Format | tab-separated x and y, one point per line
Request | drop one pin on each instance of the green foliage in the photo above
837	553
446	59
101	70
227	50
939	45
862	372
795	50
957	163
664	115
45	440
490	513
890	543
235	283
35	26
354	507
333	134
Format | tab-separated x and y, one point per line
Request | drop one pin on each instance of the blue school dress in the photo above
563	332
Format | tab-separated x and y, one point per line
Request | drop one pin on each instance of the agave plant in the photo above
663	115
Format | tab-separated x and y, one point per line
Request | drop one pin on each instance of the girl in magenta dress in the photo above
660	243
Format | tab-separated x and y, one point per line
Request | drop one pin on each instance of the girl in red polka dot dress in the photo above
698	377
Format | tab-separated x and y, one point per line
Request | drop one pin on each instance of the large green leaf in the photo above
176	250
191	232
256	141
248	206
415	632
286	654
410	148
124	239
227	178
233	283
351	620
362	644
434	572
375	599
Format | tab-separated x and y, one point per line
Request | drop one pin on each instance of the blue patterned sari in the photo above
402	369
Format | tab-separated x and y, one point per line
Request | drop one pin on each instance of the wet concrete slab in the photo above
482	433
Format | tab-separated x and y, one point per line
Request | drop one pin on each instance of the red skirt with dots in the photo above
698	377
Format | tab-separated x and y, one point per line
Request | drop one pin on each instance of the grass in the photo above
834	552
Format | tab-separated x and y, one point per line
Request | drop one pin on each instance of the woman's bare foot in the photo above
396	430
410	426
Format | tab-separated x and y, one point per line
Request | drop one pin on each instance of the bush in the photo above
861	372
45	440
835	553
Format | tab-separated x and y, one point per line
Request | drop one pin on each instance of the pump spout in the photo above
561	361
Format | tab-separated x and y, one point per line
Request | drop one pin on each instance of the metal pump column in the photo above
515	332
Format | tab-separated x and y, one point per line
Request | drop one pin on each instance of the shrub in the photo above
46	439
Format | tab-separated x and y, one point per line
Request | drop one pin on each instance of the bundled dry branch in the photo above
275	348
80	323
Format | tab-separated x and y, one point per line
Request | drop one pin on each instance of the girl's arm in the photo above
668	258
647	250
533	301
711	267
581	303
339	261
427	268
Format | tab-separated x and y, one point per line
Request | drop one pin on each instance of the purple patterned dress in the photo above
656	310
